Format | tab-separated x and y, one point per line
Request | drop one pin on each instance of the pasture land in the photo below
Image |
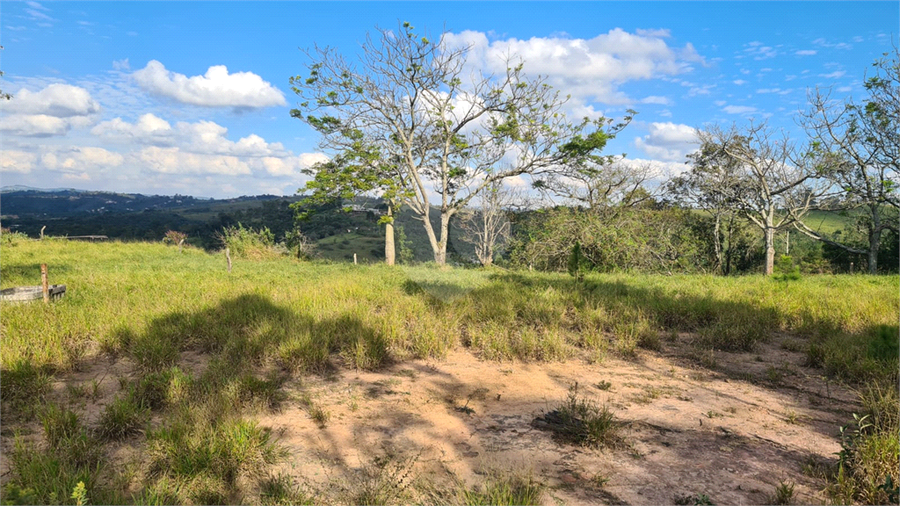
161	378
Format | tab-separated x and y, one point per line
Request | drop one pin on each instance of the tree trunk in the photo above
717	243
389	254
440	253
874	243
770	239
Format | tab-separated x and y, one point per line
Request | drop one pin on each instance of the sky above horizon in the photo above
194	98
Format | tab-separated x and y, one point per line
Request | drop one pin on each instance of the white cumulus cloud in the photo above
589	69
13	160
668	142
53	110
217	88
202	147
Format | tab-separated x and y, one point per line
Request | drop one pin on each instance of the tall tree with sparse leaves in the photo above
857	146
441	131
769	185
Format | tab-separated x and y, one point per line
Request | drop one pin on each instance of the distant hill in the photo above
133	216
23	201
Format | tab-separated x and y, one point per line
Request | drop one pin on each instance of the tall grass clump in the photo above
48	475
509	489
581	421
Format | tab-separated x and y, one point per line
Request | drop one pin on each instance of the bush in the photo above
174	237
250	244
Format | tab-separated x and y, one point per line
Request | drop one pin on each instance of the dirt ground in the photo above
732	432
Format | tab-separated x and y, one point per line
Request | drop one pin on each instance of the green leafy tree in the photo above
409	118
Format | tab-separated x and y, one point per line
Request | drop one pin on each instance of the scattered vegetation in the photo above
276	317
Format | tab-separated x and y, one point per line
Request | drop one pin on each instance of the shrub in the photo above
248	243
174	237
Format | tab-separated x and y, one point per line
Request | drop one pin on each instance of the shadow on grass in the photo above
30	273
249	330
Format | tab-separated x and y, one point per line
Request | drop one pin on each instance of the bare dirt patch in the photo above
732	434
731	431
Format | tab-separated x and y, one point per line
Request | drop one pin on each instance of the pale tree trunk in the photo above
874	242
770	241
389	255
436	247
718	245
440	254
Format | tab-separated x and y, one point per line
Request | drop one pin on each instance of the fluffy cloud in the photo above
81	161
175	161
53	110
202	147
668	142
59	100
589	69
217	88
17	161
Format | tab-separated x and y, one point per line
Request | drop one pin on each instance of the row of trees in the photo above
410	121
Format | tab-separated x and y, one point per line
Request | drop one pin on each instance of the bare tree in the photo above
487	226
769	188
410	108
856	147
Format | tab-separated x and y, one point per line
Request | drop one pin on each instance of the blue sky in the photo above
193	98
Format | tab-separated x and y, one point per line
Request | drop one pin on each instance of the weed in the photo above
316	411
224	452
791	417
580	421
505	489
784	493
79	493
604	385
122	418
50	476
388	479
692	500
23	384
774	374
59	424
280	490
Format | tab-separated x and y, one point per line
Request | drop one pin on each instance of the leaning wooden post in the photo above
354	259
228	258
45	285
180	244
42	232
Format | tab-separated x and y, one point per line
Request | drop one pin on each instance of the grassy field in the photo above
268	322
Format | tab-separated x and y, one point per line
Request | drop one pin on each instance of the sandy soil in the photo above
732	433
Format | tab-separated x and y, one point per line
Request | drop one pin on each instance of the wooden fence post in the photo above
228	258
42	232
45	284
180	244
354	259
